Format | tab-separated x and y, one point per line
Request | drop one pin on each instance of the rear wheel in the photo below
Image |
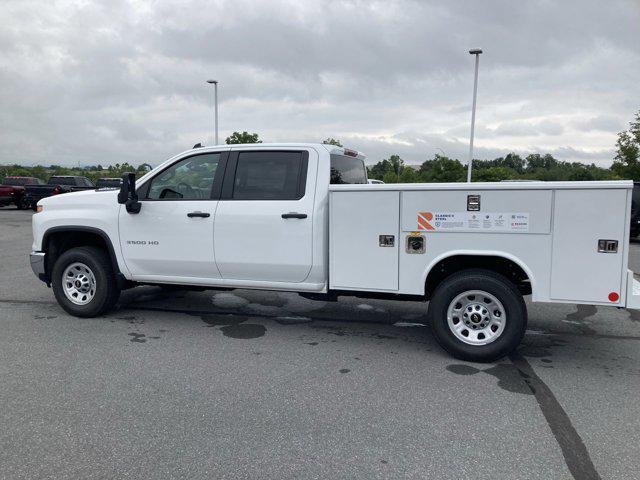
477	315
84	283
22	203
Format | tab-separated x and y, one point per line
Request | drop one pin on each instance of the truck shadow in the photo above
239	318
248	315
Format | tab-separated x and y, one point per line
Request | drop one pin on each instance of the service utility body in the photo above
302	218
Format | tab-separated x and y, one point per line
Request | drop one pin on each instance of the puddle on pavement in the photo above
293	320
508	377
580	315
137	337
223	320
244	331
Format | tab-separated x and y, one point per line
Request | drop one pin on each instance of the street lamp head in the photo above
475	51
212	81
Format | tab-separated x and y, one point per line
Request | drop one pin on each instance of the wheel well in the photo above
455	263
58	242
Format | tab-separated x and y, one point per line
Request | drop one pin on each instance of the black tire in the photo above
498	286
34	205
106	291
22	203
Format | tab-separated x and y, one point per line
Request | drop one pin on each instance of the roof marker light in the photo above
351	153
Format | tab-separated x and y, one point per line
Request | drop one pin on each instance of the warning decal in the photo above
473	221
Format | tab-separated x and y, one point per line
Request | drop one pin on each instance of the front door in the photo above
264	222
172	236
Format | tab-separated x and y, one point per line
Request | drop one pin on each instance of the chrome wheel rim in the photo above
78	283
476	317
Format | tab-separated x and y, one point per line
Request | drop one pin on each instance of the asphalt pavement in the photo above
246	384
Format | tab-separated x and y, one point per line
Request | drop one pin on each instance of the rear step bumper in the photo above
633	292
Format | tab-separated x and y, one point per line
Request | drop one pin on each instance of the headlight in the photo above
39	208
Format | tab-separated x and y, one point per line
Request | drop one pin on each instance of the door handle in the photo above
294	215
198	214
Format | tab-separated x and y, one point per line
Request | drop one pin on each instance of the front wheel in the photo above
22	203
84	283
477	315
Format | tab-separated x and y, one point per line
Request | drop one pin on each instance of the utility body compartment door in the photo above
579	272
364	238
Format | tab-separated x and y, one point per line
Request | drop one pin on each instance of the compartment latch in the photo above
607	246
386	240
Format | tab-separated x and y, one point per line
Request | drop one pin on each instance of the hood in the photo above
82	198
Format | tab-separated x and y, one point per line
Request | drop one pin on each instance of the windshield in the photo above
347	170
18	181
62	181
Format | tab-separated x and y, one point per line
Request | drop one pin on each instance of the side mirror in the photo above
128	195
123	194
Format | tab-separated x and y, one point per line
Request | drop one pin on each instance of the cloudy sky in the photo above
103	82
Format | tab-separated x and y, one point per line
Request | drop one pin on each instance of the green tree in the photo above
387	167
390	177
244	137
494	174
408	175
627	160
332	141
397	164
442	169
379	169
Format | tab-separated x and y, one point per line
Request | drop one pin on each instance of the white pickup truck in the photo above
302	218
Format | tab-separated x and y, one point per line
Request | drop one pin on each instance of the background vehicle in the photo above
12	191
301	217
108	183
635	210
373	181
55	186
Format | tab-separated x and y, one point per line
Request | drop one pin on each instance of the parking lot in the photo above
249	384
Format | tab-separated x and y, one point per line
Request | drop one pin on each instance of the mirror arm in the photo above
128	195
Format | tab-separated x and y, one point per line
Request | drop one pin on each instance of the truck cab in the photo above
264	208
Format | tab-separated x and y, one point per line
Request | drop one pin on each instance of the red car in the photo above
12	191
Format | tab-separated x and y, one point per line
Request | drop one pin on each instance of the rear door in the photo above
264	222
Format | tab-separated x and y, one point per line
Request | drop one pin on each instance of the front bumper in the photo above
38	265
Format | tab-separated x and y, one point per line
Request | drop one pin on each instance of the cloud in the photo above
605	123
93	82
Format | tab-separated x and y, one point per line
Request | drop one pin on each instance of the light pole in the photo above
215	108
476	52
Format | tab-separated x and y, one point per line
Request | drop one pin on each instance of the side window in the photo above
189	179
270	176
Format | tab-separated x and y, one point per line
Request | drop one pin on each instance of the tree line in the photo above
440	168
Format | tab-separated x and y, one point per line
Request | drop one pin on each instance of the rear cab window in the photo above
346	169
266	175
